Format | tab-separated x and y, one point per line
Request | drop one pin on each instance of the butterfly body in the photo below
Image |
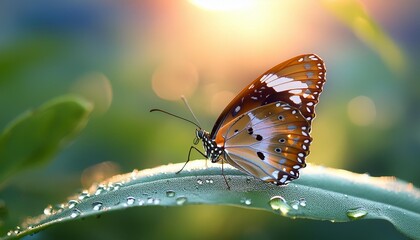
212	150
265	129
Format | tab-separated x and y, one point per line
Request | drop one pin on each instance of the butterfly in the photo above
265	130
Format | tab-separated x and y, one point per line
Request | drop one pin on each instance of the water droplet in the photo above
278	203
48	210
294	205
97	206
246	201
302	202
141	202
17	230
72	203
130	200
117	186
170	193
84	195
199	181
181	200
209	180
10	233
134	174
248	179
356	213
156	201
99	189
110	187
59	207
75	213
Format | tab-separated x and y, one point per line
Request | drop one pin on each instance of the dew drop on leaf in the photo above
72	203
302	202
181	200
99	190
246	201
278	203
97	206
130	200
248	179
117	186
48	210
75	213
84	195
356	213
170	193
295	205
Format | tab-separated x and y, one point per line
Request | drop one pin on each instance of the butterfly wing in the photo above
269	142
297	82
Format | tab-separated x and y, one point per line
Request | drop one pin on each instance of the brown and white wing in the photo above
297	82
270	142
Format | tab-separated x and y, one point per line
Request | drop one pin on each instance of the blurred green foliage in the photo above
50	48
35	136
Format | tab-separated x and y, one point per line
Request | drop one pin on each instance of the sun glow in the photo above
224	5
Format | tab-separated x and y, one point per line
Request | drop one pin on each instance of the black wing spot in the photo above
236	131
282	140
261	155
281	117
250	131
277	150
259	137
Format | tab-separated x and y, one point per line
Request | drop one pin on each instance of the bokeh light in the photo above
98	173
173	79
362	111
220	100
95	87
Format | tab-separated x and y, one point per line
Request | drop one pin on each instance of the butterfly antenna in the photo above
173	115
191	111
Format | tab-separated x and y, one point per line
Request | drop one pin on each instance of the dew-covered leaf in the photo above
321	194
35	136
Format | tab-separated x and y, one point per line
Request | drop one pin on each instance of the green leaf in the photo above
34	137
321	193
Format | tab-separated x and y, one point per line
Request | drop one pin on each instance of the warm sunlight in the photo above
224	5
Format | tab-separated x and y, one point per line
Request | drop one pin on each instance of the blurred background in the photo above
130	56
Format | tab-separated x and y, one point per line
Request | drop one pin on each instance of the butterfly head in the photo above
212	150
200	133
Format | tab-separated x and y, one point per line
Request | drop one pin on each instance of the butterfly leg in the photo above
224	177
188	159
